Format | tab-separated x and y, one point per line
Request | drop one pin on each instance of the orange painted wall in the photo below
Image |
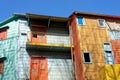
40	33
38	68
3	34
116	50
89	37
92	38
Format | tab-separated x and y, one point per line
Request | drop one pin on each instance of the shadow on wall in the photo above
55	54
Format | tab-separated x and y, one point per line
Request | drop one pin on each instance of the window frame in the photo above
6	31
2	61
89	57
104	26
83	20
1	66
108	43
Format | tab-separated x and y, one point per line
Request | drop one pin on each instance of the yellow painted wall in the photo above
91	38
110	72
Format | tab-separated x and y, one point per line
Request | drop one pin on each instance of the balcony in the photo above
48	47
48	33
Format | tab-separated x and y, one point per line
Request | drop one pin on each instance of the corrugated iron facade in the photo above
77	62
59	62
114	32
22	58
89	38
116	49
8	49
38	47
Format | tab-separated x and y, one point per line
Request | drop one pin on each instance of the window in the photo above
87	57
101	22
108	53
24	34
80	20
3	34
2	64
34	34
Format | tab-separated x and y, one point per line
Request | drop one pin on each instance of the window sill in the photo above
102	26
87	62
81	24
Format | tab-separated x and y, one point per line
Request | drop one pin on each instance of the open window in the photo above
87	57
108	53
80	21
34	34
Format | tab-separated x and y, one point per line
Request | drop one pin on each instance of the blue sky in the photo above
58	7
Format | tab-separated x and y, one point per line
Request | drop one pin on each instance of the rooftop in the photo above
97	15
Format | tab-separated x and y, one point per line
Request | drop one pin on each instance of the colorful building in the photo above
84	46
93	43
36	47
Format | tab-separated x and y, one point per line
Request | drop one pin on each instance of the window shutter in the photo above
108	53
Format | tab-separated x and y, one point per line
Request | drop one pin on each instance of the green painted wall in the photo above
8	49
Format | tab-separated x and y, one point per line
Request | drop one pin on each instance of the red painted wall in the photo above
116	50
3	34
78	59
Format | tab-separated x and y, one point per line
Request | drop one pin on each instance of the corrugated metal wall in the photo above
8	49
57	36
114	34
90	39
78	65
113	24
116	49
22	57
59	64
60	68
52	35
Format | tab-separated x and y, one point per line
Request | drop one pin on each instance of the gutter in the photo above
14	17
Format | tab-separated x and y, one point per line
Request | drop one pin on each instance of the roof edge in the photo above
8	20
95	14
29	14
37	16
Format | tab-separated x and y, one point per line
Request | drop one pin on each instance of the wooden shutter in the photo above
3	34
1	67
